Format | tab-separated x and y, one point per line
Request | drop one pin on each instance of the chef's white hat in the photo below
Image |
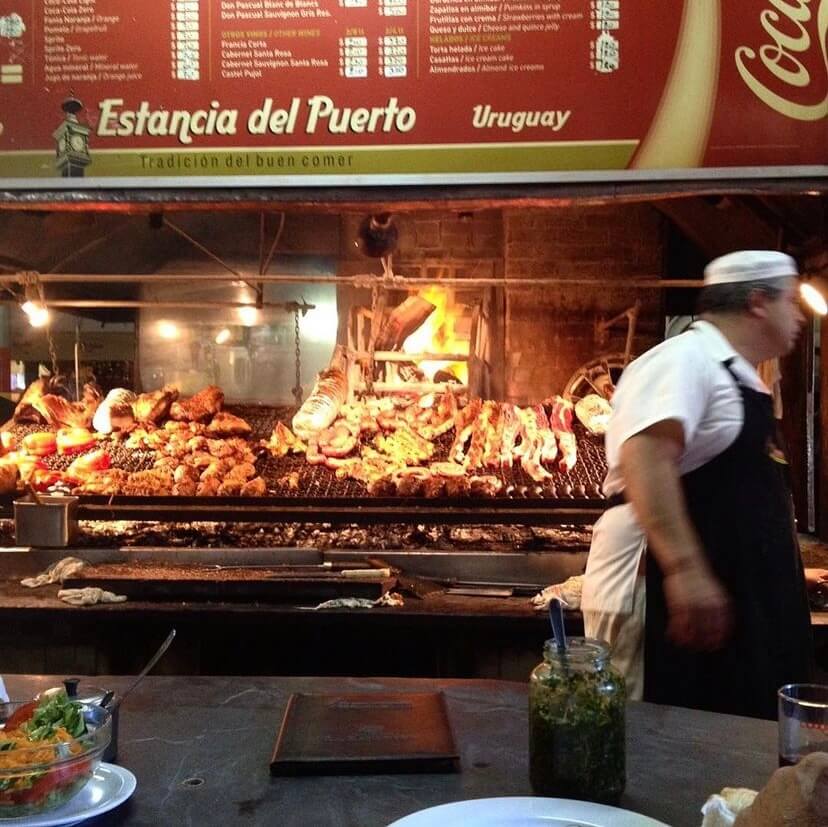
749	265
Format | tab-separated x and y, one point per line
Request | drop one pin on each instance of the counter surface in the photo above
200	748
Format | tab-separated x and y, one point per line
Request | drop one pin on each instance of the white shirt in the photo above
682	379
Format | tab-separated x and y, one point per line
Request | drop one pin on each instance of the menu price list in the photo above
75	37
490	36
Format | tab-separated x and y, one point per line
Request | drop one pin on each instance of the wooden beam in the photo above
720	228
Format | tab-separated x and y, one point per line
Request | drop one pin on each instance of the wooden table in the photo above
200	748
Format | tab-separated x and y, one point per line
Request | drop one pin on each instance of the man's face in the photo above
783	318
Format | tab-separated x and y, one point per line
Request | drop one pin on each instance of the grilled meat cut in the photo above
560	421
227	424
151	408
199	408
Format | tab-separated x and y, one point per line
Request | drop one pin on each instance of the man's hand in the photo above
700	615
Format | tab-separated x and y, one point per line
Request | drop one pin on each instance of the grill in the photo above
569	497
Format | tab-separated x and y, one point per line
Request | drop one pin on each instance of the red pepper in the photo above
75	440
42	479
96	461
60	776
41	444
20	716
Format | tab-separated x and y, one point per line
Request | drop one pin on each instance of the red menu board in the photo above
206	92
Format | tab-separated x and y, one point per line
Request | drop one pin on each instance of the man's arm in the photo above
699	608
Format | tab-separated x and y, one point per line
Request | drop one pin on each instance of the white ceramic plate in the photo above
109	786
525	812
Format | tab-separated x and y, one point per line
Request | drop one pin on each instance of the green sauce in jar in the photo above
576	724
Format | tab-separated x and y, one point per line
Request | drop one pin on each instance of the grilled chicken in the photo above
60	412
199	408
151	408
227	424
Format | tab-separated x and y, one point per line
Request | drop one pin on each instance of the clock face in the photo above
77	143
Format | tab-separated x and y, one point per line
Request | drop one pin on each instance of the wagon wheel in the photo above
600	375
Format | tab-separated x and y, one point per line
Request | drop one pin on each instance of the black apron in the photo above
740	504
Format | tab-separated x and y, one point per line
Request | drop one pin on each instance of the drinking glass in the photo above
803	721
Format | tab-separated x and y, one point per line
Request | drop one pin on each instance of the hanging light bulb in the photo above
813	298
167	329
36	312
248	315
223	336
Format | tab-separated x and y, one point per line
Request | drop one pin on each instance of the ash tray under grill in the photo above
50	523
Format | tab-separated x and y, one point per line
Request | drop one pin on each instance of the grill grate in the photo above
319	486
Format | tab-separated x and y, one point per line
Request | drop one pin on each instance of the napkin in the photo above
721	810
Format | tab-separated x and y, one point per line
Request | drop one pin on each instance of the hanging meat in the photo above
320	409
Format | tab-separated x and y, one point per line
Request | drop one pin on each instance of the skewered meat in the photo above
115	412
493	438
531	447
320	409
227	424
549	446
560	421
151	408
441	418
509	435
480	434
464	421
201	407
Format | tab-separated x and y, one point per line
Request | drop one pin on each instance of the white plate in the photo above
525	812
109	786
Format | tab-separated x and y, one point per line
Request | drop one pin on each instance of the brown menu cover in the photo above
376	732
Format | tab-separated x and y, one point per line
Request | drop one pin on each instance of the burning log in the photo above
403	321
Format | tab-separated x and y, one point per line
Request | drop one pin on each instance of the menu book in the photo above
376	732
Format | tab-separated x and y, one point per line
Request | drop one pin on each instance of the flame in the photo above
438	334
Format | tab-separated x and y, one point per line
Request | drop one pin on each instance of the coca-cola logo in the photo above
778	70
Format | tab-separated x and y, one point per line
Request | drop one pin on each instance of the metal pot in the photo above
49	523
93	696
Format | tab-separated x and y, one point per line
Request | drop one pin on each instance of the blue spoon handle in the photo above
556	618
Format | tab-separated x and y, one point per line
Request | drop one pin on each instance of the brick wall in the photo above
549	330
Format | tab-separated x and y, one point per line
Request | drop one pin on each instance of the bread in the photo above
793	797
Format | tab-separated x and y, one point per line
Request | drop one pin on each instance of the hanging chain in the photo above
297	388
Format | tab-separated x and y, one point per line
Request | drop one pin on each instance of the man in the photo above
694	574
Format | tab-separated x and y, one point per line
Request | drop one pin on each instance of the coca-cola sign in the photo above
200	92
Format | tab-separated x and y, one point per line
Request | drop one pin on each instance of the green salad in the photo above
44	756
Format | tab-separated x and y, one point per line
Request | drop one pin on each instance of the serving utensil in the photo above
556	618
142	674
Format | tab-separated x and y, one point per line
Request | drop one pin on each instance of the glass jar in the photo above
577	737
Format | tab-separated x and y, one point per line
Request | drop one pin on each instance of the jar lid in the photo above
578	649
84	693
